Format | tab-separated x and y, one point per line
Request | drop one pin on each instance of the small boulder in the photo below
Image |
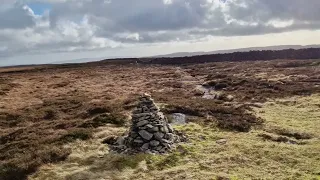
221	141
229	98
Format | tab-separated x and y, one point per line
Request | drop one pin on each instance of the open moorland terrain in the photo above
245	120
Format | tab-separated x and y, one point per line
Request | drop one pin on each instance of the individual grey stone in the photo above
229	98
170	128
145	134
160	115
158	136
292	142
258	105
154	143
169	136
158	148
138	141
145	146
178	119
221	141
154	152
165	141
168	146
146	95
155	129
149	126
142	123
143	128
142	118
120	141
164	129
163	150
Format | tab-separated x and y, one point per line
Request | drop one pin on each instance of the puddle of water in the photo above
208	92
178	119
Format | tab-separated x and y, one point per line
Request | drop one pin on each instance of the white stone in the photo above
221	141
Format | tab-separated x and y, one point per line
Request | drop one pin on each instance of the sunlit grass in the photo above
244	156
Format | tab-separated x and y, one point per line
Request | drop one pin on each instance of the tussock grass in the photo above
295	114
82	134
244	156
39	106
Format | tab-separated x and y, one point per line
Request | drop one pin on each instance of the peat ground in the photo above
42	109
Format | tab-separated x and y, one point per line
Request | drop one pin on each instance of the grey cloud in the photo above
138	15
15	17
244	30
152	20
178	19
264	10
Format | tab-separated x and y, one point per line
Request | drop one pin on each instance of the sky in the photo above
45	31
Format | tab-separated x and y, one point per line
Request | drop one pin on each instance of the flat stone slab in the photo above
158	135
178	119
141	115
142	123
145	135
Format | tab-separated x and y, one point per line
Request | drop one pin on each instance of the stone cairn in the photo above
150	131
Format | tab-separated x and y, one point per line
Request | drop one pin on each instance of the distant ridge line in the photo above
255	55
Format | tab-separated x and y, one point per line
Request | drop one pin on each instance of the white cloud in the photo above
89	25
167	1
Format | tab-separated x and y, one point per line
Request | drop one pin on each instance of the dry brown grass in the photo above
43	108
243	156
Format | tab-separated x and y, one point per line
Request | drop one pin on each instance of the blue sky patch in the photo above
39	8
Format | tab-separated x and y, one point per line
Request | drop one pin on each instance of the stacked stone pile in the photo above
150	131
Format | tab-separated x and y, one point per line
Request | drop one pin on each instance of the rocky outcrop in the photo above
150	131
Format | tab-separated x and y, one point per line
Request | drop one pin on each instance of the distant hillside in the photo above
281	47
288	54
84	60
309	53
252	55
